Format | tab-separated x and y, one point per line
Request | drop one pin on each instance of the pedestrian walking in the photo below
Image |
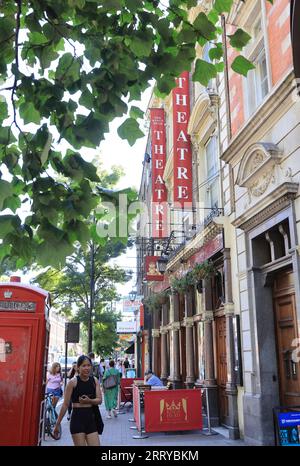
84	391
111	382
126	363
54	382
101	370
95	371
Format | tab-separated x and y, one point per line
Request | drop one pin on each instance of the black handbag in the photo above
98	419
97	415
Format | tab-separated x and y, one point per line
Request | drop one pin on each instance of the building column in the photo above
175	349
190	374
209	380
189	324
164	373
155	351
156	342
231	388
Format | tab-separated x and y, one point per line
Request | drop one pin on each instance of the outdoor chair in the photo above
126	394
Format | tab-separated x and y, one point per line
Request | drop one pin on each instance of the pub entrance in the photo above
221	369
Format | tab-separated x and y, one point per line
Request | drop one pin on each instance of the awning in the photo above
130	349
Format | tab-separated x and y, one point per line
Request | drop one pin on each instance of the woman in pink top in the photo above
54	382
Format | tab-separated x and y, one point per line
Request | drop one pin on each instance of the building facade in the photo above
235	333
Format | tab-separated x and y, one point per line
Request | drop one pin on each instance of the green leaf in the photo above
6	190
29	113
222	6
204	72
54	253
239	39
242	66
68	70
141	47
136	112
216	53
3	111
130	130
6	135
8	224
205	27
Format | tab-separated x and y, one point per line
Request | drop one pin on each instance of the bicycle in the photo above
50	418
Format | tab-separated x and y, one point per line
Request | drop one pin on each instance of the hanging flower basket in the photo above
155	300
204	270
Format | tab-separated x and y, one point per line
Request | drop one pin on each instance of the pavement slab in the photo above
117	432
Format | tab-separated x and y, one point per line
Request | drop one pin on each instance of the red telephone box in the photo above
24	337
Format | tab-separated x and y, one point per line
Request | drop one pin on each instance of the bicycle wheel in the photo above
47	424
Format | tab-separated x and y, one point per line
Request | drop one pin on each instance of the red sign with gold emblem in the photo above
170	410
152	273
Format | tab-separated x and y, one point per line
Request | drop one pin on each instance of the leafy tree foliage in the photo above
84	288
68	69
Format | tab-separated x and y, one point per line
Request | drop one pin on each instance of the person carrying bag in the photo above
111	382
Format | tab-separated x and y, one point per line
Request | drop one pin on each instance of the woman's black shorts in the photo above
83	421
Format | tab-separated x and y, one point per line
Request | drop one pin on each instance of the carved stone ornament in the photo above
163	330
155	333
262	183
175	325
207	316
257	168
189	322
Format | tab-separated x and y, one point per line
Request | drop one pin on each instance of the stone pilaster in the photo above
190	374
210	382
164	372
156	343
175	376
231	388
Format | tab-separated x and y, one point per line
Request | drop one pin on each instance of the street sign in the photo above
126	327
131	306
72	332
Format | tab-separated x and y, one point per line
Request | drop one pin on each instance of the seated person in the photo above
151	379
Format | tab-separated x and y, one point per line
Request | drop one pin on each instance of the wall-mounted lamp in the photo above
162	264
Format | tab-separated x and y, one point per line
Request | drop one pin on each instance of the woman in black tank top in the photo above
84	392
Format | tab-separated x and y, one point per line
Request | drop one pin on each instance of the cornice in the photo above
267	207
208	233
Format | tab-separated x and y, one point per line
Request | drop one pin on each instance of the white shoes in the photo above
108	416
115	412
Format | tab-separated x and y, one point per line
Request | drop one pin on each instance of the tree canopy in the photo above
68	68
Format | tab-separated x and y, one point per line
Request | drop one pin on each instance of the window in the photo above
212	172
257	81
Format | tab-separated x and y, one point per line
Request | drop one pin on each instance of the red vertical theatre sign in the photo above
183	194
159	189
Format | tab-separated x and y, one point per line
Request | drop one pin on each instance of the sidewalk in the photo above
117	432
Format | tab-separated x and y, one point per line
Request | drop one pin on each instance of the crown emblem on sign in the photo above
7	294
173	406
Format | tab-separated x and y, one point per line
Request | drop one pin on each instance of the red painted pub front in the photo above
24	336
